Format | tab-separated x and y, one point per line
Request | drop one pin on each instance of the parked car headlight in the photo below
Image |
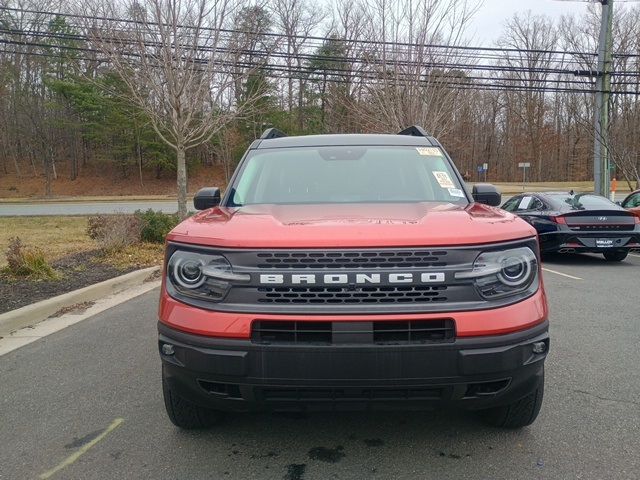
498	274
201	275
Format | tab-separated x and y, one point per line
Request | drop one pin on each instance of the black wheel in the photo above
518	414
618	256
186	414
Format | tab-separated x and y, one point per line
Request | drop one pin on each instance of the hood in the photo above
350	225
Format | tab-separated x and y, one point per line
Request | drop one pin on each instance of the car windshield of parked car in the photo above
633	201
585	201
346	174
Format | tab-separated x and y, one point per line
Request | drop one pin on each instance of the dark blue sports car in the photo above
578	222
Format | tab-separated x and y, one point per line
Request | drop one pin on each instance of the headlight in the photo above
201	275
187	272
503	273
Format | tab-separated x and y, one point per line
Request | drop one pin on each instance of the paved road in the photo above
93	208
84	208
57	395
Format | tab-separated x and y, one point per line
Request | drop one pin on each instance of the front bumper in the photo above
238	375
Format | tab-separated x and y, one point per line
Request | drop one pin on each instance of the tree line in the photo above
152	86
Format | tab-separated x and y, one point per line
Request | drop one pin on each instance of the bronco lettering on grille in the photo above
353	278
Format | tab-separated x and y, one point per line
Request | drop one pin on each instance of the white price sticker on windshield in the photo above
524	203
429	151
456	192
444	180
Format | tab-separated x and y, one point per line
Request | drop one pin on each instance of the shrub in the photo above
23	261
15	253
114	232
156	225
96	226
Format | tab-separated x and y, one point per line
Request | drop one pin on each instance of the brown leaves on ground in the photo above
140	255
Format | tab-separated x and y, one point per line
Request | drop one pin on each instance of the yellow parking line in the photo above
76	455
560	273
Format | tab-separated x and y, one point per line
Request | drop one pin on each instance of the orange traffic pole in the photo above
614	187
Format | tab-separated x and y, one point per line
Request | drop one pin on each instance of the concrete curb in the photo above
37	312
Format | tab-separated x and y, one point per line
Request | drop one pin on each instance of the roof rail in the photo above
415	131
270	133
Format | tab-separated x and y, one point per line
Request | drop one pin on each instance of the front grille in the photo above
330	333
603	228
352	259
330	394
415	280
339	295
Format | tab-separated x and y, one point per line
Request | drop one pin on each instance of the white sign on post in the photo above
524	166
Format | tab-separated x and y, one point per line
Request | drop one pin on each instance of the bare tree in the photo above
178	65
296	19
225	150
340	97
410	76
536	36
623	143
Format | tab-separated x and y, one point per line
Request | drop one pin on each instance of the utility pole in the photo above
603	93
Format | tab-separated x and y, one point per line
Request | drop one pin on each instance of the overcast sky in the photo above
488	22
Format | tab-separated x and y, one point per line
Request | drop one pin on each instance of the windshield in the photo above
353	174
633	201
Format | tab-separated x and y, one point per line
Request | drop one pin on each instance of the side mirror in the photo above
208	197
487	194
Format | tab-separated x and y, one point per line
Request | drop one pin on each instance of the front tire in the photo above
517	414
615	256
184	413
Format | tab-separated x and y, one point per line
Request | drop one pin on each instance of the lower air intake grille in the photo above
427	331
329	394
373	333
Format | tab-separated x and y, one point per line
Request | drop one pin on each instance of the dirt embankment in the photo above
103	184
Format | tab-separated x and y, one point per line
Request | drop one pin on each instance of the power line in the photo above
337	70
304	37
459	56
535	84
324	58
340	59
460	85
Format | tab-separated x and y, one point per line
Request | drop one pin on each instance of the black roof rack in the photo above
270	133
414	131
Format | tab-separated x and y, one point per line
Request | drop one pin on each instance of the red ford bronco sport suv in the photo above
351	272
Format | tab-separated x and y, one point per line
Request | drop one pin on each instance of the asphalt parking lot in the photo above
85	403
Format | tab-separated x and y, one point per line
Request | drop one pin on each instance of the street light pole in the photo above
603	93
